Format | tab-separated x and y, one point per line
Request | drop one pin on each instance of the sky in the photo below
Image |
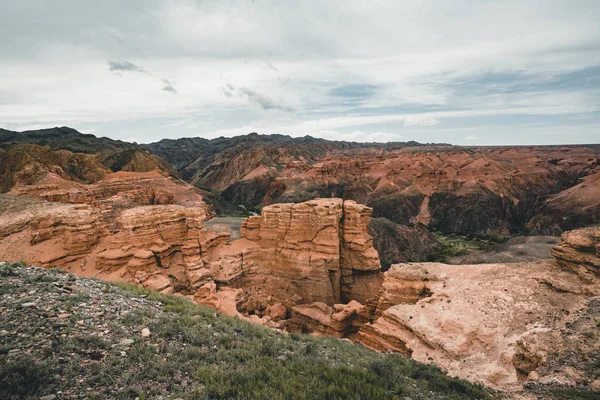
467	72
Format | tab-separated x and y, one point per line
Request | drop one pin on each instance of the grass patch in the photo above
224	357
457	245
23	378
574	394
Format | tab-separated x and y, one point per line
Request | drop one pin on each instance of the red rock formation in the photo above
579	251
156	246
488	191
311	267
341	320
122	189
317	251
491	322
575	207
293	254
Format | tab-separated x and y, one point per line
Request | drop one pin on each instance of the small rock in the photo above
145	332
63	316
533	376
28	305
126	342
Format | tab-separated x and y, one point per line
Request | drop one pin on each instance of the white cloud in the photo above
420	120
282	59
472	137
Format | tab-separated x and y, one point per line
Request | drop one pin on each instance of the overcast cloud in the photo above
461	71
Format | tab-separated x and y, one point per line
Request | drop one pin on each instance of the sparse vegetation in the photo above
457	245
574	394
193	353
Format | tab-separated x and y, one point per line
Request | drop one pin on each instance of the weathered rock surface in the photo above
82	157
293	254
312	267
114	191
486	191
575	207
159	247
579	251
317	251
496	323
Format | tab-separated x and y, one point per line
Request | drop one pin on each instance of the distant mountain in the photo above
191	156
489	191
64	138
25	156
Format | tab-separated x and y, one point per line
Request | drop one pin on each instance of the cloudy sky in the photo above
460	71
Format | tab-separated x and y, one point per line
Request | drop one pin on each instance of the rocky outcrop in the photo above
294	254
115	191
341	320
317	251
469	318
497	323
160	247
579	251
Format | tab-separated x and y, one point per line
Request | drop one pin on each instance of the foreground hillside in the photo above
64	337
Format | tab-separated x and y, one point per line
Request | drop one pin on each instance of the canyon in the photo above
311	267
315	260
486	191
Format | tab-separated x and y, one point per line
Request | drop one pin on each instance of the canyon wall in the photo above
496	323
313	252
294	254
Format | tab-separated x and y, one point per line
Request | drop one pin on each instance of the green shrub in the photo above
23	378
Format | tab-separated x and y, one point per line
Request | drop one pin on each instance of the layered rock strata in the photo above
318	251
496	323
294	254
579	251
311	267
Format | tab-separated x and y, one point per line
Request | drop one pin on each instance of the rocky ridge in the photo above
26	157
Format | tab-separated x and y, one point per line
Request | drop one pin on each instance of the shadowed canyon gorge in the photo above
337	238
